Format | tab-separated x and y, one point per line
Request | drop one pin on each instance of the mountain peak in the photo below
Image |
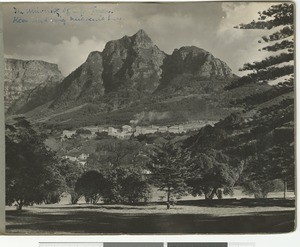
141	39
141	32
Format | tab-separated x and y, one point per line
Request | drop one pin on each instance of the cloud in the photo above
239	45
69	54
208	25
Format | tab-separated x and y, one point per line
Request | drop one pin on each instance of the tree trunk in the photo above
284	189
210	195
20	205
74	198
219	193
168	197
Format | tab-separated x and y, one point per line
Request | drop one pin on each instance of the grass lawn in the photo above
187	217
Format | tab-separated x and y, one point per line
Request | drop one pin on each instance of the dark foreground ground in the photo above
187	217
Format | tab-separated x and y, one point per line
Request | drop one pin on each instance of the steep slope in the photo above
85	84
35	97
22	76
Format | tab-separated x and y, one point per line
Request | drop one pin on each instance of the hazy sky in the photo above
64	34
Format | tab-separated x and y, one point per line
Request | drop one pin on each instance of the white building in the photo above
71	158
126	129
67	134
162	129
112	131
176	129
83	156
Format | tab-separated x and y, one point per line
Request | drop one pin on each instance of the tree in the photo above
169	170
32	174
279	65
133	185
273	159
71	171
274	163
261	189
125	185
211	174
91	185
114	152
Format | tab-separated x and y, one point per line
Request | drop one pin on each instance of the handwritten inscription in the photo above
64	15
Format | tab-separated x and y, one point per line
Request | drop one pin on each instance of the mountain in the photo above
132	80
22	76
130	64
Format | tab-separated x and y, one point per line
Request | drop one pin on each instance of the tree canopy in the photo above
32	173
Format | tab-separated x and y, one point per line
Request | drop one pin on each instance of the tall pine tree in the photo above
275	116
279	66
169	170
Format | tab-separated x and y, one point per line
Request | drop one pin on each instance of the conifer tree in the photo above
279	65
275	159
169	170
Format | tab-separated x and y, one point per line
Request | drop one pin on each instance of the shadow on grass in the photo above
247	202
85	222
95	206
223	203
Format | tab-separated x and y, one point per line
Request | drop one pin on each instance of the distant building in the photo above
138	131
71	158
176	129
83	156
162	129
67	134
126	128
95	129
112	131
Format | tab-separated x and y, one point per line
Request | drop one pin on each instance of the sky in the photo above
66	33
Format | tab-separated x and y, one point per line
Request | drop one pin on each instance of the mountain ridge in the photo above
131	75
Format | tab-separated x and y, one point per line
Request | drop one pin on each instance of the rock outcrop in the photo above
20	77
195	61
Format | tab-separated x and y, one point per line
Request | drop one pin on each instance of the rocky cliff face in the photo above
130	63
194	61
20	77
85	84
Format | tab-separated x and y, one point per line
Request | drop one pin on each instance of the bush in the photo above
126	185
91	185
83	131
261	190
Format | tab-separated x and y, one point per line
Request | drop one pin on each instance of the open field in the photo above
197	216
